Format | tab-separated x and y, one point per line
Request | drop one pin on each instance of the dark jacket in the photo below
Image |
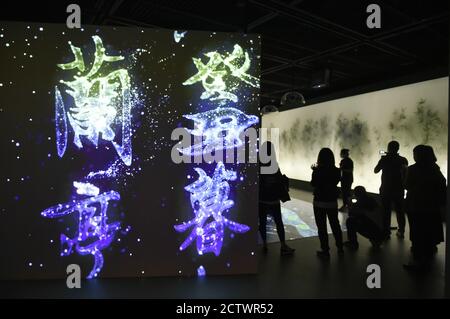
273	187
393	168
426	194
370	209
325	180
346	166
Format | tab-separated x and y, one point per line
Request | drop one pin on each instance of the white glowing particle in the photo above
86	189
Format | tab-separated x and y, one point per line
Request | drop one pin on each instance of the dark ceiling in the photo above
299	37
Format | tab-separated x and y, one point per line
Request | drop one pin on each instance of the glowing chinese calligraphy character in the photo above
209	199
220	129
221	75
94	232
177	36
97	98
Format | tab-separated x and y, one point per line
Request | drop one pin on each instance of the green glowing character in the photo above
97	96
221	75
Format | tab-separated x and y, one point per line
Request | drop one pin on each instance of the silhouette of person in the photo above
346	166
325	177
272	189
426	194
392	187
366	218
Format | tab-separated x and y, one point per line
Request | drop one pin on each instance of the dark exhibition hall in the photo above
208	152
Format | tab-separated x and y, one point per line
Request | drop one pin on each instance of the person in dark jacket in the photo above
426	195
346	166
325	178
365	217
393	167
272	188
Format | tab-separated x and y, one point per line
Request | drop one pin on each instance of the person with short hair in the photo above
393	167
346	166
365	217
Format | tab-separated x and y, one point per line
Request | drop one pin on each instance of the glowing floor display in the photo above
298	219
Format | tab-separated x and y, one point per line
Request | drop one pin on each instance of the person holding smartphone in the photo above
393	167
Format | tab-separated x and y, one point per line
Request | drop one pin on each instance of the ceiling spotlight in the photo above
292	99
268	109
321	78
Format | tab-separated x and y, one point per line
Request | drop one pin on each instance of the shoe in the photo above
401	235
286	250
323	254
351	245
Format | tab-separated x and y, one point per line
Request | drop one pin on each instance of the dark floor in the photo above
299	276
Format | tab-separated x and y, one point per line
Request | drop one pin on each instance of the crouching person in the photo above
365	218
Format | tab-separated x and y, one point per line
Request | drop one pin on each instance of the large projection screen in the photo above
87	175
411	114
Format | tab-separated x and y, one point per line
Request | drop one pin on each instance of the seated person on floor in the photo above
365	217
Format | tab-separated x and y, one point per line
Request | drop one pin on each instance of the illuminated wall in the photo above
412	114
86	170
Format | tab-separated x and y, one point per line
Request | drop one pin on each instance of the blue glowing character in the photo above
220	129
221	75
209	200
97	98
94	232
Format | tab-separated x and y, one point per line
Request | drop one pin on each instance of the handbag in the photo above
284	189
